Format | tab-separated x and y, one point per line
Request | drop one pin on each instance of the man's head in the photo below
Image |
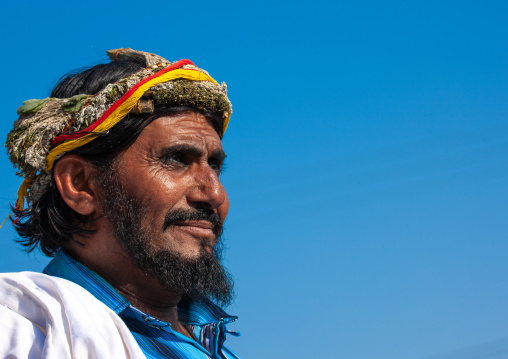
150	181
166	205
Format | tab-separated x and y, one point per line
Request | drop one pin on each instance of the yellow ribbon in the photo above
23	193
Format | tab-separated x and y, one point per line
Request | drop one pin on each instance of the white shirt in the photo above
49	317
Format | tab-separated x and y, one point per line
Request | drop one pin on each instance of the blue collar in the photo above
197	313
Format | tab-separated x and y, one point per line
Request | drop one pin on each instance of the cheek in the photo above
223	209
163	188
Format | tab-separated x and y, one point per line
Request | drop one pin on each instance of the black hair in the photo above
50	222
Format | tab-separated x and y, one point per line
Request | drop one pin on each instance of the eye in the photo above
217	165
175	159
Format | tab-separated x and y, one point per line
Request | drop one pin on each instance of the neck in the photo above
163	306
142	291
148	296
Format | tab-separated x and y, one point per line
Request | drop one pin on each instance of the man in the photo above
121	168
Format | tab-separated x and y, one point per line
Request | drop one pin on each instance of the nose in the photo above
207	191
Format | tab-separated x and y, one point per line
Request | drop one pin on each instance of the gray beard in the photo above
200	278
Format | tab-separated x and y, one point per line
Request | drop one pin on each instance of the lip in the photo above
200	229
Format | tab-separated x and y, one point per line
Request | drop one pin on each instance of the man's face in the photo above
166	204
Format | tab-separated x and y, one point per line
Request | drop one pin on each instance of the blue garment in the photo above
155	337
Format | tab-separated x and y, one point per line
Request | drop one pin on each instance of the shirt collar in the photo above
64	266
200	312
193	312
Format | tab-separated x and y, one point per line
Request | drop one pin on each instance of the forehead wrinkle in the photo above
196	131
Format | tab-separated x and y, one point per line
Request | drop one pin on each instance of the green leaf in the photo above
31	106
75	103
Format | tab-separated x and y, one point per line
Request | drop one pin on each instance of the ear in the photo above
74	177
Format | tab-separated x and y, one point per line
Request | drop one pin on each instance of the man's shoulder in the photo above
37	295
43	286
66	319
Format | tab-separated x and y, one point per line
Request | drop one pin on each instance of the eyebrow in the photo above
218	154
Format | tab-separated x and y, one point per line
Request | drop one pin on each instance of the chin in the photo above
193	254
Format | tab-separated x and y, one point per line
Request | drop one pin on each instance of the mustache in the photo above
201	214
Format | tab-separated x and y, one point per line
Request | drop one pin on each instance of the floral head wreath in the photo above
47	129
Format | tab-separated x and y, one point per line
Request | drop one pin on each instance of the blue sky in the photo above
367	160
